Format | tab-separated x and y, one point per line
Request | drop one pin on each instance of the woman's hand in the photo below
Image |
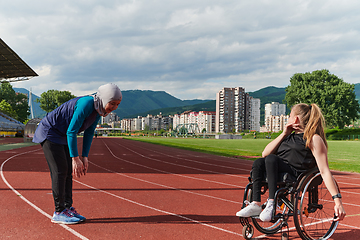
290	127
339	210
272	147
78	167
86	164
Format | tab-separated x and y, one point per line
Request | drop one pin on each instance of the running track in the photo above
137	190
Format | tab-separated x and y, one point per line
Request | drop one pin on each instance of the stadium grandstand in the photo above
10	127
12	69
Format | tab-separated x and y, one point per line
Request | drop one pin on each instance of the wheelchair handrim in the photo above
303	226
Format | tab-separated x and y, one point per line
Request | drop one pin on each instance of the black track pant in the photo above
60	165
271	166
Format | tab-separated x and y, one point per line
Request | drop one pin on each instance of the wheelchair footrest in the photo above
244	221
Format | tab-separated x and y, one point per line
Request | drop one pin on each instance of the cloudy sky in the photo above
188	48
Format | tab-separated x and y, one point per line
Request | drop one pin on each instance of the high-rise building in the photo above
273	110
255	114
234	110
111	117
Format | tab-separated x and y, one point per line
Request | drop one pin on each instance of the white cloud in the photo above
190	49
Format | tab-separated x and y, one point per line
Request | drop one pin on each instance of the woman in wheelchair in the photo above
300	147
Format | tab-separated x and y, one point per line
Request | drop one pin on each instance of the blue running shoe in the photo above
64	218
74	213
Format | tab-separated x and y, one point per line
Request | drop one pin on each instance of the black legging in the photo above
60	165
270	166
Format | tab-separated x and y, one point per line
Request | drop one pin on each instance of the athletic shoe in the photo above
250	210
266	214
74	213
64	218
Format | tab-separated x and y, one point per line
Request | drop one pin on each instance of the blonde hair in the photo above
312	120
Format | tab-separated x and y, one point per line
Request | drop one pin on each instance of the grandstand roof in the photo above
12	67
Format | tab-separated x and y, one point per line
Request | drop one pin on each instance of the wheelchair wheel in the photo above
267	227
314	209
248	231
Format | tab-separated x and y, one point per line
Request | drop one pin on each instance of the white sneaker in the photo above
266	214
250	210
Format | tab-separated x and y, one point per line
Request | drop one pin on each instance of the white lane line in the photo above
200	162
345	183
30	203
174	174
184	166
165	186
209	156
158	210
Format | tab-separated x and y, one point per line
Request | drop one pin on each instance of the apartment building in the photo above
111	117
125	124
146	123
206	121
255	114
234	112
276	123
273	113
196	122
275	109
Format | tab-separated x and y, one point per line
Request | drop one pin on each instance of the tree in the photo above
17	101
335	97
53	98
6	108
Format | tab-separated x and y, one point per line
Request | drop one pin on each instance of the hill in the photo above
266	95
142	102
209	105
137	101
134	102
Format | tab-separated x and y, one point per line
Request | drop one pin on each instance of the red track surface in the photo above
137	190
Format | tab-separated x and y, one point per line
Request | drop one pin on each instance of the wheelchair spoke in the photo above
315	220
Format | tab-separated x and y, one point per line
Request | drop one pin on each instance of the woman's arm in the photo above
319	151
83	108
272	147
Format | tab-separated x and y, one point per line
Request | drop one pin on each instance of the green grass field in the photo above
343	155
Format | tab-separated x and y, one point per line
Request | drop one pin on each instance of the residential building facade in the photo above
276	123
234	111
273	111
146	123
111	117
195	122
255	114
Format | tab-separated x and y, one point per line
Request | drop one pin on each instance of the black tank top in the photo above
292	149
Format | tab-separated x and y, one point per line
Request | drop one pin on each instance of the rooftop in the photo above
12	67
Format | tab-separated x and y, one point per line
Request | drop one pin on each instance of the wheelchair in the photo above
305	199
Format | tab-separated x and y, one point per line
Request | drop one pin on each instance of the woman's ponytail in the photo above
312	120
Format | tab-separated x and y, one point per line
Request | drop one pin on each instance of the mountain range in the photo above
142	102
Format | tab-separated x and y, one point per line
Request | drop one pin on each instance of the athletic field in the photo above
137	190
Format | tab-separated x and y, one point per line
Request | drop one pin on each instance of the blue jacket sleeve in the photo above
83	108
